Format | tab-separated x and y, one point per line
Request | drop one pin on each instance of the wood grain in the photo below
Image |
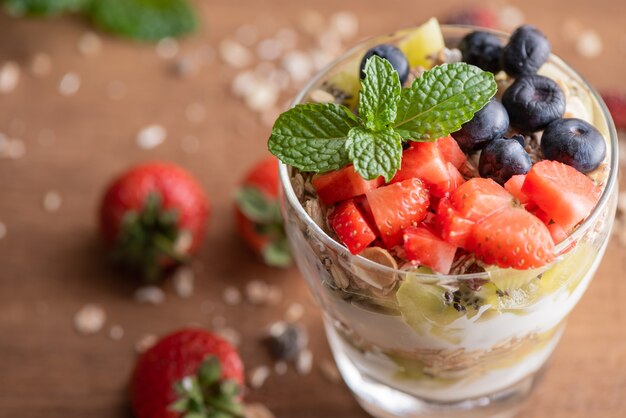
52	263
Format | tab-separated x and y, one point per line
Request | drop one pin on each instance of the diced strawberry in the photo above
398	206
557	232
423	161
513	238
561	191
427	249
449	186
451	152
364	206
478	198
351	227
514	186
452	227
342	184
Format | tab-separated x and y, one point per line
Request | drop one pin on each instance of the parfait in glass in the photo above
448	210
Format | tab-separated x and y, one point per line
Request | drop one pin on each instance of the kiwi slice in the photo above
422	43
345	84
570	270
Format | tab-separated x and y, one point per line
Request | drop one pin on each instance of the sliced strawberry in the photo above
351	227
452	227
557	232
425	248
342	184
423	161
514	186
561	191
451	152
398	206
449	186
478	198
513	238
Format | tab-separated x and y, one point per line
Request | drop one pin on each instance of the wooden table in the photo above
51	263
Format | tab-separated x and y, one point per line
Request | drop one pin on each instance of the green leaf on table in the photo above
43	7
380	92
442	100
312	137
148	20
374	153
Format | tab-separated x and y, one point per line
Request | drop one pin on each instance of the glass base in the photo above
382	401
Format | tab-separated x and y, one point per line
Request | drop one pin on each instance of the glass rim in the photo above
587	223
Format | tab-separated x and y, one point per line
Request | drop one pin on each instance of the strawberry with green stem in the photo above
258	217
153	217
190	373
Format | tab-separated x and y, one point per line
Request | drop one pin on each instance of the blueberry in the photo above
503	158
573	142
533	102
286	341
526	51
482	49
393	55
488	123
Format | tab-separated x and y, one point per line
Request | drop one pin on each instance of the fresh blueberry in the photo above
482	49
533	102
526	51
574	142
488	123
503	158
393	55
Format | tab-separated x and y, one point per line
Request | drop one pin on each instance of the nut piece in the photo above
89	319
377	279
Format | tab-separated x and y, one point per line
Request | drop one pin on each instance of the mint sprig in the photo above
326	136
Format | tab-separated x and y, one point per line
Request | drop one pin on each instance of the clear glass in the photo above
401	342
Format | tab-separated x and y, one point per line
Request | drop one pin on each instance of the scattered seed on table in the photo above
269	49
40	64
89	44
589	44
257	410
149	294
116	332
243	83
345	24
229	334
3	230
258	376
329	371
247	34
167	48
183	281
89	319
280	367
151	136
145	343
256	292
195	112
304	362
52	201
263	96
9	76
298	65
234	54
69	84
231	296
294	312
116	90
190	144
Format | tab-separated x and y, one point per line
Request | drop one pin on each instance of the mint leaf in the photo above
312	137
375	153
441	100
42	7
148	20
380	92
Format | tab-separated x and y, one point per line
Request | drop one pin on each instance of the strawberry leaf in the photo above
380	92
442	100
375	153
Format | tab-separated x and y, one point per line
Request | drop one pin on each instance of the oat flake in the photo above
9	76
231	296
149	294
257	410
3	230
258	376
89	319
116	332
151	136
145	343
52	201
69	84
167	48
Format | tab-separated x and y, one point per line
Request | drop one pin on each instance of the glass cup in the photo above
410	343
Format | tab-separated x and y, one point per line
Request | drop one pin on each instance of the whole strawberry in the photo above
153	216
190	373
258	216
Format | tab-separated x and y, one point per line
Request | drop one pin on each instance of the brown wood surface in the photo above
52	263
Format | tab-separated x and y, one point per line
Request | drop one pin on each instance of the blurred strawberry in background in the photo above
153	217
